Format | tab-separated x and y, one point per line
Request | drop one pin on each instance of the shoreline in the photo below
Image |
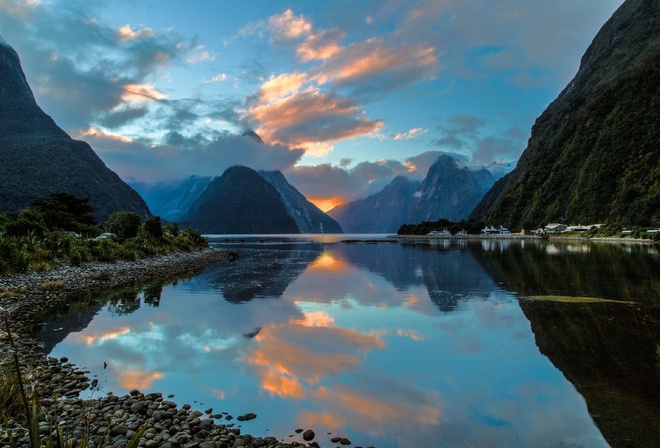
525	237
58	382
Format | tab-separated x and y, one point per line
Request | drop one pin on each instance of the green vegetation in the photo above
471	226
593	154
61	227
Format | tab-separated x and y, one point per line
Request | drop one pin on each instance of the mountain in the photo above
39	158
449	191
593	153
240	202
308	217
383	212
172	199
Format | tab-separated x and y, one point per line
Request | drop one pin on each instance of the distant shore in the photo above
524	237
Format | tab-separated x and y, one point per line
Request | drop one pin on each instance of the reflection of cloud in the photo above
372	411
89	339
400	332
314	319
291	355
137	379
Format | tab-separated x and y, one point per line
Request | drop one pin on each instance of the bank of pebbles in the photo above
111	419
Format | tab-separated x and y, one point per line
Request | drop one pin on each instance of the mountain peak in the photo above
592	155
253	135
40	159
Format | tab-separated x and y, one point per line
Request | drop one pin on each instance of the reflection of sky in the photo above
344	351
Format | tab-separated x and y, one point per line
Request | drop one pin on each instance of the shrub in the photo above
123	224
24	226
153	228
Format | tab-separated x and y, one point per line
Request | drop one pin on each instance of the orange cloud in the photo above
90	339
371	411
314	319
371	58
310	119
291	356
320	45
137	379
287	26
281	86
137	93
96	133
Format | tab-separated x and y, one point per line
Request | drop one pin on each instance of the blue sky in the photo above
345	94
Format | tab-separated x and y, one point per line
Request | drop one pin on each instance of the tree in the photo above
152	227
123	224
64	211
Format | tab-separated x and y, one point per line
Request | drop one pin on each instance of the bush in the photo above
123	224
153	228
24	226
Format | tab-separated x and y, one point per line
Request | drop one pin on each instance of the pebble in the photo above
110	420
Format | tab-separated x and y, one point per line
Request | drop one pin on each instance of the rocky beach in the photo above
109	420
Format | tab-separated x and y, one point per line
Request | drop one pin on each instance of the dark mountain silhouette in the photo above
383	212
593	154
39	159
449	191
307	216
240	202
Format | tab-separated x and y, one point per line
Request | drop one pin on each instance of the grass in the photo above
575	299
52	285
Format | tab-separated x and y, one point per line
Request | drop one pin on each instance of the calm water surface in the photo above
393	345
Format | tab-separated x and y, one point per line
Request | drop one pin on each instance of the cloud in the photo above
179	155
288	111
287	26
126	33
83	68
376	66
326	182
463	134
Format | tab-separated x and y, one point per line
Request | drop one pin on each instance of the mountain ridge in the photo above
592	156
40	159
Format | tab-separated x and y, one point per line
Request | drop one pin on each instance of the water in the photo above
394	345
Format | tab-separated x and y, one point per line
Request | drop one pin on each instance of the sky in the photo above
346	95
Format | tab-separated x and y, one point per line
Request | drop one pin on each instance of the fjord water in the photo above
488	343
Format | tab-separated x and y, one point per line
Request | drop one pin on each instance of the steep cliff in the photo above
39	159
593	154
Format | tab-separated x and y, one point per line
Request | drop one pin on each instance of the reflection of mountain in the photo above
448	274
260	273
609	352
75	316
56	328
605	271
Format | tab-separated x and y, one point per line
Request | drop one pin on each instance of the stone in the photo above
118	430
308	435
139	408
